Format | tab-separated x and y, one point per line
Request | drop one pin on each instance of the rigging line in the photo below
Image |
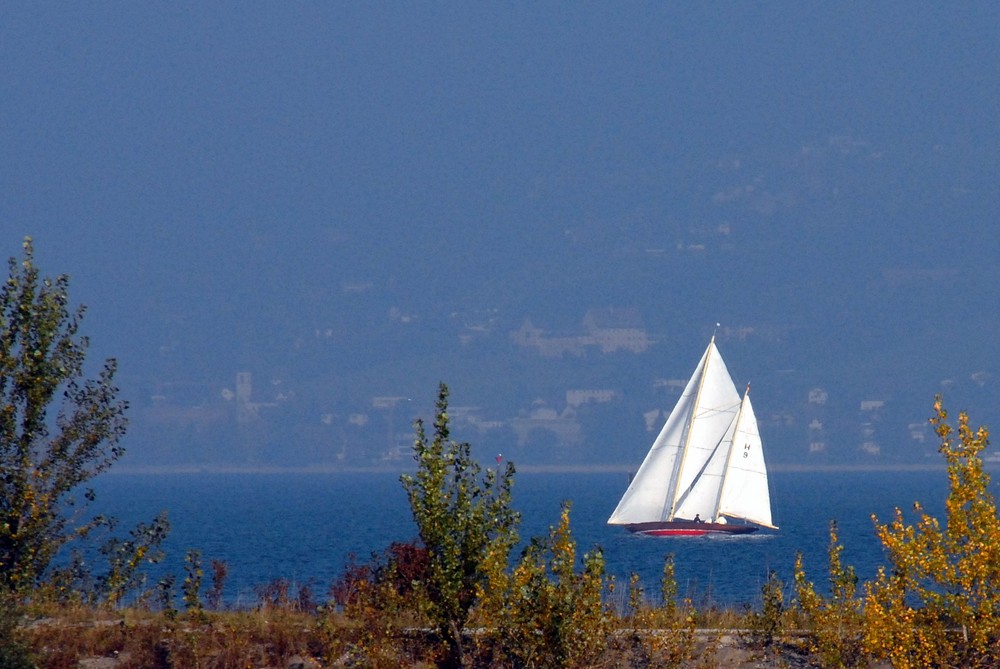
683	497
712	411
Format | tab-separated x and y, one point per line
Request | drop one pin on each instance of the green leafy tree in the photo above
465	521
46	454
938	605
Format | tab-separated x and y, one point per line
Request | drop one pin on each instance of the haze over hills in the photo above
878	324
348	205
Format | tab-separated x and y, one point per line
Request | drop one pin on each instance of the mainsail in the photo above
706	462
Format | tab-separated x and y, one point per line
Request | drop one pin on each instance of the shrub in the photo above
663	635
545	614
766	625
220	571
14	654
372	605
835	624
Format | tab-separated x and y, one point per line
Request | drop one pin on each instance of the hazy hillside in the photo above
351	203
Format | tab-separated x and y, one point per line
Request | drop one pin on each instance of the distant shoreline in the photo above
521	469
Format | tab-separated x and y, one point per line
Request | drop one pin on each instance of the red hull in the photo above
688	528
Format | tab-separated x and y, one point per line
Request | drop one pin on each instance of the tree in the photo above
465	521
939	602
46	455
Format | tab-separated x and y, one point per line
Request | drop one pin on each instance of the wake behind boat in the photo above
705	471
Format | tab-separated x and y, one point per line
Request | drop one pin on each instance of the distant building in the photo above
817	436
871	414
575	398
247	410
472	417
531	336
652	419
918	431
980	378
759	332
818	396
616	329
610	330
671	386
387	402
563	426
739	332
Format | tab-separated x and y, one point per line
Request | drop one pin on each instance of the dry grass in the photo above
72	637
144	640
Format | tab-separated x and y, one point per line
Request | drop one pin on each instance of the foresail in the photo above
711	429
699	499
746	493
650	494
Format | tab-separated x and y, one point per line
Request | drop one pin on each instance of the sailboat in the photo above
705	472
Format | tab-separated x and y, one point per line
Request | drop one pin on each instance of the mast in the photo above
679	466
729	457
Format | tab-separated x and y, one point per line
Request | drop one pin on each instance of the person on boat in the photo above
697	518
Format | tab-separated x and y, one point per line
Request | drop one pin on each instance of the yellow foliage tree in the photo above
938	604
835	623
545	614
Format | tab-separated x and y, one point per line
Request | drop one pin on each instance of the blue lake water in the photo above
303	527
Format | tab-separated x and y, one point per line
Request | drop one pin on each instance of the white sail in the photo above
702	496
700	472
703	414
745	494
707	460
